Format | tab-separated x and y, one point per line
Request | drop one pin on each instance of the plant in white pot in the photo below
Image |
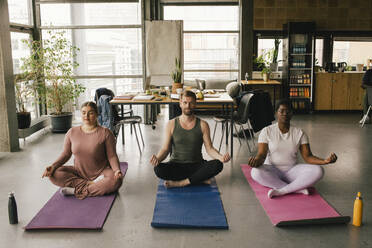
266	71
51	66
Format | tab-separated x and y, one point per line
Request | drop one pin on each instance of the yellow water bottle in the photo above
358	211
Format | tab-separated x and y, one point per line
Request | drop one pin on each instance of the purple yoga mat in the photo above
68	212
294	209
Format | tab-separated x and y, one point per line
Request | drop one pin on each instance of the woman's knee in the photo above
256	174
318	172
60	176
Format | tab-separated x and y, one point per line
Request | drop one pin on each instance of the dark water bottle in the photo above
12	209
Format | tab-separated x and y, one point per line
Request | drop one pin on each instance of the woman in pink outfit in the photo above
96	169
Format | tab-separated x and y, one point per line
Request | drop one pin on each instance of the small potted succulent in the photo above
177	76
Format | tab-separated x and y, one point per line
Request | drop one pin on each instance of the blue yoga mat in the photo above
198	206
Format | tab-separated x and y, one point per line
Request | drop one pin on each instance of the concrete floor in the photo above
128	224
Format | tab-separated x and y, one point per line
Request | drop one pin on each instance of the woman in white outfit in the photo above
275	165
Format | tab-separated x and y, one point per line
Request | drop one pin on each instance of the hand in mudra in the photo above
154	160
118	175
49	171
331	159
225	158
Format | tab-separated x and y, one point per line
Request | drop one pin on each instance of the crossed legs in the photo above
180	174
297	179
68	176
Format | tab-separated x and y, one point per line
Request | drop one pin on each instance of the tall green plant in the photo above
50	66
177	73
276	50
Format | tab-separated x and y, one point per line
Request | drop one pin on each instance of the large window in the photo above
352	52
319	44
109	36
20	18
20	11
211	40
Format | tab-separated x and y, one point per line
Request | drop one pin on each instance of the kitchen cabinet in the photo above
338	91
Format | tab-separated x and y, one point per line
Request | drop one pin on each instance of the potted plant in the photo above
177	76
24	89
266	73
273	55
50	66
259	63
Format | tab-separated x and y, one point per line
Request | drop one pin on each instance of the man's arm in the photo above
208	144
311	159
164	151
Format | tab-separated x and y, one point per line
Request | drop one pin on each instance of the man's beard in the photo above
188	112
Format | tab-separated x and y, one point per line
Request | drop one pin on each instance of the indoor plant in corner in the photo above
51	66
177	76
24	89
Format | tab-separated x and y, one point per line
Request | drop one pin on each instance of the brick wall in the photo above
328	14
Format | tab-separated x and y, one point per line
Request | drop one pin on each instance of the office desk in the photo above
224	100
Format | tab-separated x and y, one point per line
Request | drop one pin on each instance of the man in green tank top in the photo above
185	136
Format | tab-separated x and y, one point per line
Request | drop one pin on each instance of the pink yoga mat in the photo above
68	212
294	209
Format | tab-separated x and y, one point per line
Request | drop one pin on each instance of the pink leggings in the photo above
69	176
300	176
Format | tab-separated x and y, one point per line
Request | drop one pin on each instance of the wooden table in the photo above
224	100
272	83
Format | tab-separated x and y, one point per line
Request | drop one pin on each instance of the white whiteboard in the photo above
164	43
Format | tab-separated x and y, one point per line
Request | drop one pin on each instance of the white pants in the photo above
300	176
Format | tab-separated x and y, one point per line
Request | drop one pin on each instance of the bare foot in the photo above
67	191
209	181
172	184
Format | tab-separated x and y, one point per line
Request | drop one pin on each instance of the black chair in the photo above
240	117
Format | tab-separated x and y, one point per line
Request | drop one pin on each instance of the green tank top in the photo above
187	144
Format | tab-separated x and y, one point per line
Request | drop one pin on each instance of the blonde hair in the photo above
93	105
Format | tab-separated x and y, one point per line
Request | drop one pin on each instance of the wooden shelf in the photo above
299	98
300	85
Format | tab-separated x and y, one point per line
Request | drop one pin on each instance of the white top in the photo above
283	147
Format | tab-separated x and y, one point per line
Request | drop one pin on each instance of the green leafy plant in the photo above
24	89
275	51
266	70
50	67
177	73
259	63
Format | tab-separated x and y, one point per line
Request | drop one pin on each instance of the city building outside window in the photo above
211	40
109	36
352	52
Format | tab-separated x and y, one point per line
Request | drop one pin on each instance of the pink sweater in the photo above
93	152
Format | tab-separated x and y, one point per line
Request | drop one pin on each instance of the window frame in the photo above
90	27
183	4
